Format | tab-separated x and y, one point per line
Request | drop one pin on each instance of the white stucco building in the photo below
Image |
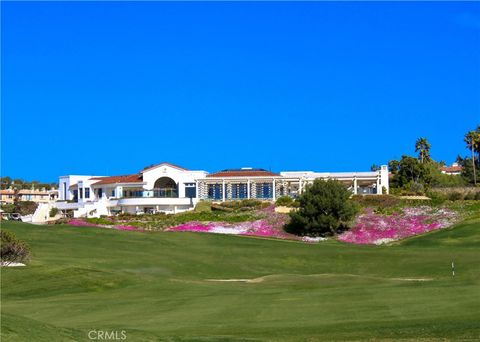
169	188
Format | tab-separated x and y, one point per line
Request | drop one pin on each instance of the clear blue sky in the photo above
108	88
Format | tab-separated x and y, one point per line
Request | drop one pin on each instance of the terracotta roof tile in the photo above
7	192
244	173
451	168
118	179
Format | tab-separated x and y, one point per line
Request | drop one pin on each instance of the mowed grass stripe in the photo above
157	286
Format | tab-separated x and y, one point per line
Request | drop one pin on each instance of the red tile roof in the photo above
7	192
244	173
164	163
118	179
456	168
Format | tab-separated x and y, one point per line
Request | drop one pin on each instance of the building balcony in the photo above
155	193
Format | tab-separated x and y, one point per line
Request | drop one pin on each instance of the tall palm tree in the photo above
422	146
472	139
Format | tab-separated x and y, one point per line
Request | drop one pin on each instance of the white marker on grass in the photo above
453	269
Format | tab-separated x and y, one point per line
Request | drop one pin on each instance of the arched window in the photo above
165	187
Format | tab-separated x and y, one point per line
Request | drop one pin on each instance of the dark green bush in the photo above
469	196
325	209
53	212
12	249
477	196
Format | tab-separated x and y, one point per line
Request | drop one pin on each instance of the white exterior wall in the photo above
179	176
72	180
384	180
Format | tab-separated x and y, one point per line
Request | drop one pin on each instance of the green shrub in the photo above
395	191
203	206
245	204
101	220
446	181
414	188
477	196
469	196
12	249
436	198
25	207
219	207
8	208
295	204
53	212
377	201
325	209
284	201
455	196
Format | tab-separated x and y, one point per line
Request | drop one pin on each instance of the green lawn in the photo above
157	286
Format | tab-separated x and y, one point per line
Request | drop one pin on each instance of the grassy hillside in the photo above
158	286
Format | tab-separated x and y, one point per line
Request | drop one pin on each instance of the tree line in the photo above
419	173
19	184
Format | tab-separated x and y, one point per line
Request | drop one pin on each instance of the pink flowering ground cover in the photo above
252	228
372	228
269	225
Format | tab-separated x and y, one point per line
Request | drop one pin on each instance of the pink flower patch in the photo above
254	228
372	228
79	222
191	227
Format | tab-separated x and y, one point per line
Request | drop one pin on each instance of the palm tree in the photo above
422	146
472	139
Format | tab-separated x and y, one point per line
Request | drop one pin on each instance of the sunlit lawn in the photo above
157	286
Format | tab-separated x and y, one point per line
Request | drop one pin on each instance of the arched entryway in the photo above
165	187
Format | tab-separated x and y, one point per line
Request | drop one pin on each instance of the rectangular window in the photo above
239	190
215	191
64	191
190	192
113	193
87	192
99	193
75	195
264	190
80	192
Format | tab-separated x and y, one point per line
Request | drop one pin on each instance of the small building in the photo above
9	196
38	195
454	169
